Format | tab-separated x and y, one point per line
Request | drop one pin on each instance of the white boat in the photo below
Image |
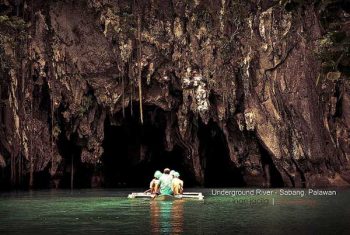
187	195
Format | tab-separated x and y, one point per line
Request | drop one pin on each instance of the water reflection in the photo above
166	217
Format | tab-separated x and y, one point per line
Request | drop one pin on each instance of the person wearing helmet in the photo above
177	184
165	183
172	172
154	185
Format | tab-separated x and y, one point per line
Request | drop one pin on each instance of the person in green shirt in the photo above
165	182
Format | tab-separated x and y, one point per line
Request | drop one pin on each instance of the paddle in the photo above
153	196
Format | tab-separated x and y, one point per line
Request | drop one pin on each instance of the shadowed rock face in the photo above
235	74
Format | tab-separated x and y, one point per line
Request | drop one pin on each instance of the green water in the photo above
110	212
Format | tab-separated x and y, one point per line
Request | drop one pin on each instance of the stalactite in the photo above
31	166
72	174
12	170
224	103
31	152
31	129
23	73
131	87
139	63
123	96
31	173
52	128
19	171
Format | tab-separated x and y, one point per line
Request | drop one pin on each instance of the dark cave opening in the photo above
42	178
134	151
219	170
5	172
272	175
70	150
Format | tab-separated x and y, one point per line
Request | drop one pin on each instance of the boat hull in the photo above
195	196
165	198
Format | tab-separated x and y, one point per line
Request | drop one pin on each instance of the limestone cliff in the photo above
254	73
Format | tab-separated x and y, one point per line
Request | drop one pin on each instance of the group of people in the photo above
166	183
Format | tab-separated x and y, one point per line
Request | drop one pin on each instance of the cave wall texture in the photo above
255	68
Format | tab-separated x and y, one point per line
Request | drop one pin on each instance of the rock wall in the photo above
250	67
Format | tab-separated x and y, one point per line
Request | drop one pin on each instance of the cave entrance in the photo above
72	173
219	170
134	151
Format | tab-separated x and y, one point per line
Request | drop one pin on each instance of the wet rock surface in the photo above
241	74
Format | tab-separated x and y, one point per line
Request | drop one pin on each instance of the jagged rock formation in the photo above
246	71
